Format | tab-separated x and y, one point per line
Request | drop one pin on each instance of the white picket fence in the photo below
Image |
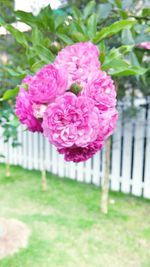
130	157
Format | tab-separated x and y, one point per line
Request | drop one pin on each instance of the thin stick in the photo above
105	187
43	171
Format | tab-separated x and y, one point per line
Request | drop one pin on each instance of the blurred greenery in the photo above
7	10
67	229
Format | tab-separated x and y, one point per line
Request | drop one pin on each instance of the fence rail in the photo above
130	156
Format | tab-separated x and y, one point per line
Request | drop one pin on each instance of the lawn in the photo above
67	228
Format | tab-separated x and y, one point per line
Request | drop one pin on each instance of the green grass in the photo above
67	228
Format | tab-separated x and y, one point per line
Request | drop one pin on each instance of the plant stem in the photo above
105	187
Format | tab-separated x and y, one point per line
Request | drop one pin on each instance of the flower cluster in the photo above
76	122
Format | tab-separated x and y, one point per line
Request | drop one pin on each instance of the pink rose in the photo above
38	110
79	154
47	83
24	109
108	121
102	90
71	120
145	45
79	61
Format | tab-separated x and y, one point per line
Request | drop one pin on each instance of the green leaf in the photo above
133	59
36	66
79	37
114	59
125	49
65	38
127	37
26	17
127	72
116	64
123	14
59	20
14	123
37	36
91	26
102	48
20	36
146	12
147	29
10	93
45	19
89	9
45	54
76	13
79	26
118	3
104	10
16	73
113	29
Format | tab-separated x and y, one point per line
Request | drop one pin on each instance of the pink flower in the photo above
108	121
78	154
145	45
79	61
102	90
24	109
38	110
71	120
47	83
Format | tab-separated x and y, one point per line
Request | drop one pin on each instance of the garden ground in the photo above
67	228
